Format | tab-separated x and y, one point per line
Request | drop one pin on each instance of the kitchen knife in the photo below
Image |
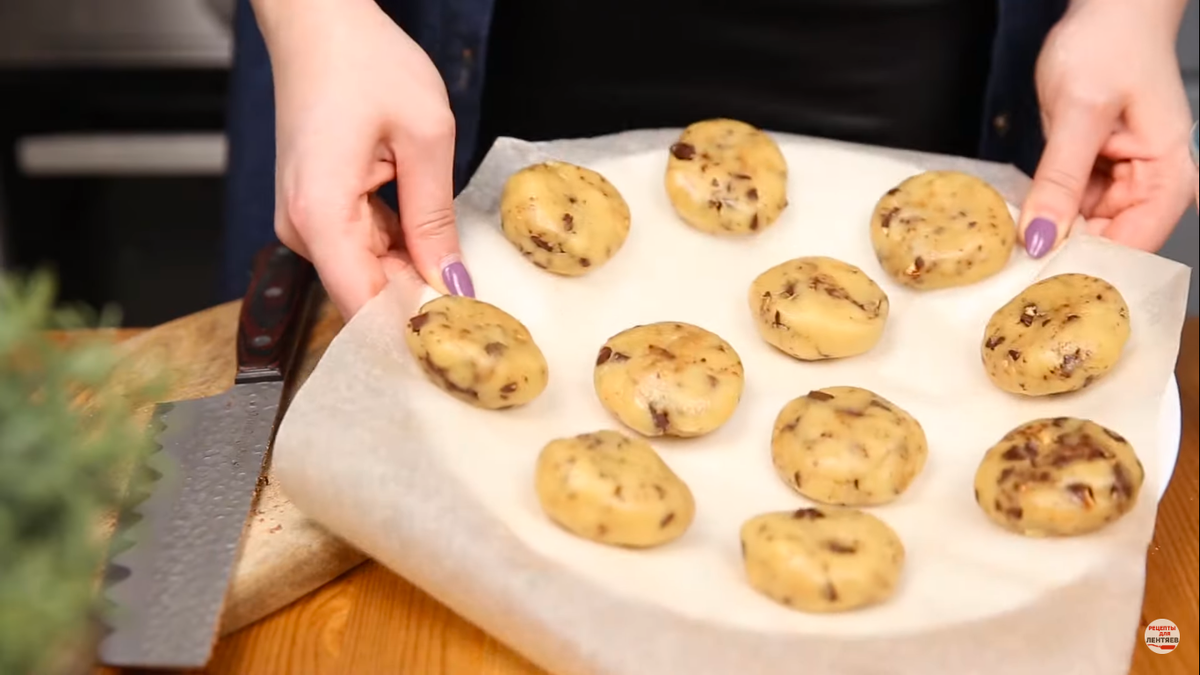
167	590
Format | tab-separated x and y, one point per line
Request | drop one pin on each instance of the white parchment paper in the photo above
443	493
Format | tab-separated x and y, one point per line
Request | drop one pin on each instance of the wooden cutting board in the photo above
284	555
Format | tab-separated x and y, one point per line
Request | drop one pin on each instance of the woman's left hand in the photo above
1117	121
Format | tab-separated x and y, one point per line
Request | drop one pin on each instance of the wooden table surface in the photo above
372	621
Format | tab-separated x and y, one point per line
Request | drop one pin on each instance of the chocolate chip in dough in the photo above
662	420
683	151
840	548
418	322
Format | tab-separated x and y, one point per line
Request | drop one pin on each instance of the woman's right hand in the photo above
358	103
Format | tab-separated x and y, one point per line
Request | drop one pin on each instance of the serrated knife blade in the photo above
166	586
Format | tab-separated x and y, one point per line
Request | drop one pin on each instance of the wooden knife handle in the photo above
273	315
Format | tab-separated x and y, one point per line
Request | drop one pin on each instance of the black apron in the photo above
898	73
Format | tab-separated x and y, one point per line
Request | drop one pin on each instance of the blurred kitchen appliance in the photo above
115	33
112	147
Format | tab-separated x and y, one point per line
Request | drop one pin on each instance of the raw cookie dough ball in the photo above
1059	335
1057	478
669	379
822	560
818	308
847	446
942	229
563	218
477	353
612	489
726	177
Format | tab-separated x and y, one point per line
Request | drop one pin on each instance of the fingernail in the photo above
1039	237
457	281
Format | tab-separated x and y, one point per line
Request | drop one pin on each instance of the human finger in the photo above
1062	177
425	193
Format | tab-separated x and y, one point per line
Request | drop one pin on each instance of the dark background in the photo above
140	234
148	243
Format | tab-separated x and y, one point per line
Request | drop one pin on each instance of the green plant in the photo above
68	442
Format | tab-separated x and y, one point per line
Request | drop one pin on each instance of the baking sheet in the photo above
443	493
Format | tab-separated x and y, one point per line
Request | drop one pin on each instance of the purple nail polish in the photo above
458	282
1039	237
